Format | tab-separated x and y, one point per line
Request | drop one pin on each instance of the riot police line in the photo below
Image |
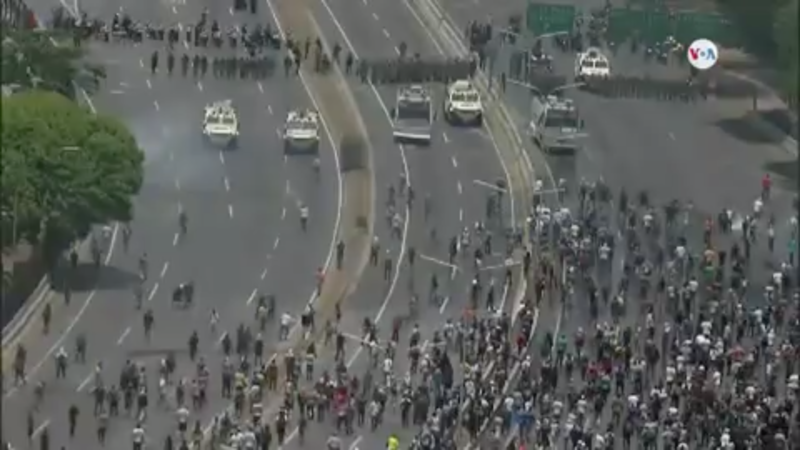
256	68
415	70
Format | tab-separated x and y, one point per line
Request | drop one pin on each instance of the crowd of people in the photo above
690	341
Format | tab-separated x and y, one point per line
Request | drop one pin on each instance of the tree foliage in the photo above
63	168
45	60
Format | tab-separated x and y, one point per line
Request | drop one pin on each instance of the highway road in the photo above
244	235
703	153
446	171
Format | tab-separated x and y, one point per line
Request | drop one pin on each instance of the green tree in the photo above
45	60
63	170
786	38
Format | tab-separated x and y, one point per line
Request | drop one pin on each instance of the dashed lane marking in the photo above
155	103
221	157
446	138
149	84
141	63
230	11
123	335
444	305
264	273
174	10
38	430
386	33
84	383
354	445
397	50
164	269
276	243
227	184
177	181
671	135
261	88
252	296
460	188
116	92
175	239
269	109
375	16
460	215
200	86
153	292
230	211
283	213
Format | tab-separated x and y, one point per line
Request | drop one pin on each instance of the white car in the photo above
301	132
220	123
591	63
462	104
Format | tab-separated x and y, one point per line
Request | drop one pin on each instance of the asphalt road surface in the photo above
446	171
243	234
703	153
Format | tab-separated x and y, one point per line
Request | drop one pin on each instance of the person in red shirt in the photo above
766	185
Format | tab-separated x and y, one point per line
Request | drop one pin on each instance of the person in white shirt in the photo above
286	321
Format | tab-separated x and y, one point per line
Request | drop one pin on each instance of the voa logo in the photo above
702	54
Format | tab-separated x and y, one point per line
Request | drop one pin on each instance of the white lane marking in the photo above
364	2
460	188
446	138
141	63
175	239
123	336
285	159
221	157
164	269
264	273
354	445
155	103
339	179
230	11
278	133
180	207
276	243
60	341
186	44
200	86
153	292
124	84
252	296
227	184
116	92
397	50
438	261
375	16
386	33
174	10
38	430
84	383
486	184
460	215
283	213
671	135
269	109
444	304
260	87
177	181
149	84
454	161
230	211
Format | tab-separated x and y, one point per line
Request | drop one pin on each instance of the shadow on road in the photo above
742	129
87	277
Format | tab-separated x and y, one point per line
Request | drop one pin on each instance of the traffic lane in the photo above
469	152
496	12
432	169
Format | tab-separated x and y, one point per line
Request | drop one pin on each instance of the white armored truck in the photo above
412	116
462	104
591	63
301	132
221	124
555	125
